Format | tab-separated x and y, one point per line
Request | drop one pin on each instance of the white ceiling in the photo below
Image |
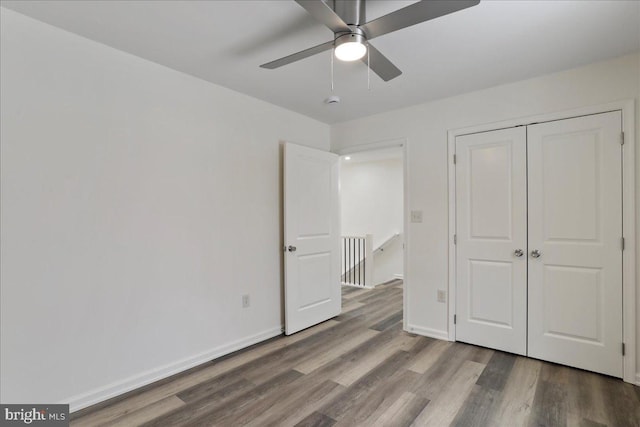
224	42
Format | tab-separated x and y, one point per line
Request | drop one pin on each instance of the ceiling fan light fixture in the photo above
350	47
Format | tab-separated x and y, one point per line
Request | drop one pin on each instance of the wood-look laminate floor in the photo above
361	369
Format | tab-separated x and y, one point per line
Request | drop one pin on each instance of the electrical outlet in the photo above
416	216
245	301
442	295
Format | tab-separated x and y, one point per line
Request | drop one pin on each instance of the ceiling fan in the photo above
352	34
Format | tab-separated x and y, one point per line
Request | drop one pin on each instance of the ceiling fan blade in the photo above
381	65
323	13
298	56
414	14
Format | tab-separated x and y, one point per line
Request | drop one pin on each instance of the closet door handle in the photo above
518	252
535	253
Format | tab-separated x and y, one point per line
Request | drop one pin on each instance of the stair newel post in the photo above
368	256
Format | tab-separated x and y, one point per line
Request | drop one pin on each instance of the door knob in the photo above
518	252
292	248
535	253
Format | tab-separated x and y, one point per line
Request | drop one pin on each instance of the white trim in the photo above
378	145
398	276
404	144
451	229
351	285
638	379
117	388
629	308
428	332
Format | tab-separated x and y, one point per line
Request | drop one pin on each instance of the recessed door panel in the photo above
575	227
317	288
491	293
491	227
490	202
573	303
570	182
314	215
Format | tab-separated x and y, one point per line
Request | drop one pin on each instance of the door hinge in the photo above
454	159
621	138
622	243
623	349
455	319
455	239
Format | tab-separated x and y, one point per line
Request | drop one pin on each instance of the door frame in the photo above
394	143
627	107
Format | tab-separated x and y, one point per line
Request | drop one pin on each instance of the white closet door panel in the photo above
490	225
575	222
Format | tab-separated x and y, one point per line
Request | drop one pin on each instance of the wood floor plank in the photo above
585	399
168	387
355	294
223	414
442	410
316	419
620	400
351	305
287	412
429	356
388	321
478	408
353	366
497	371
439	375
192	410
319	359
518	393
549	405
345	401
401	413
370	404
362	369
147	413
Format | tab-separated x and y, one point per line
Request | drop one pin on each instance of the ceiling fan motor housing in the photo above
355	36
352	12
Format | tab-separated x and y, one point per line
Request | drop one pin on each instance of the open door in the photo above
311	237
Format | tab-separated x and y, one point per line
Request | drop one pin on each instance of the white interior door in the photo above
575	224
491	224
311	236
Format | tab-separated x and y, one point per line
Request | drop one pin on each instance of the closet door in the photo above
575	255
491	260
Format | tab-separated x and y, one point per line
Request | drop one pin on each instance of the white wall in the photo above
371	202
425	128
138	205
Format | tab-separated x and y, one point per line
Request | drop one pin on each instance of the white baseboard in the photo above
398	276
428	332
638	379
92	397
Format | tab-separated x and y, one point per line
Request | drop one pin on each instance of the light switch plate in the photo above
442	295
416	216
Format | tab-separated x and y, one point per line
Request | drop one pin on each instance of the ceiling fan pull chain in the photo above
368	69
332	71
